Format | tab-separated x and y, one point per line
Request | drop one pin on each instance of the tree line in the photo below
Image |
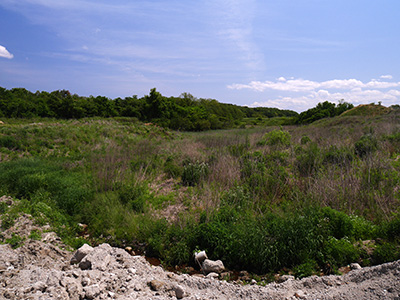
185	112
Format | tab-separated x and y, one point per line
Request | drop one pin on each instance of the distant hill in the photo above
367	110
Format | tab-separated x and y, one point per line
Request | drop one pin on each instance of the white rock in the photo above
355	266
179	291
81	253
213	266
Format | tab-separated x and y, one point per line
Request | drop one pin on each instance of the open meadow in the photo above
304	199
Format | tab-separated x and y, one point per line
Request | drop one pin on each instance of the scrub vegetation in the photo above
306	198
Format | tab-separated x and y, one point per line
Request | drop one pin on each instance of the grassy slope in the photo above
246	196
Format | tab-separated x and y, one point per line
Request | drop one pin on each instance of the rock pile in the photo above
39	271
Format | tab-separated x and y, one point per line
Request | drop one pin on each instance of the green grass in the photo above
261	199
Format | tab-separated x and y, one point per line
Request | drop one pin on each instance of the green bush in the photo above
9	142
194	173
338	156
26	177
276	138
341	252
309	161
365	145
305	140
385	253
15	241
134	196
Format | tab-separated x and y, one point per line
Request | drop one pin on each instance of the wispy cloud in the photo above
4	53
235	18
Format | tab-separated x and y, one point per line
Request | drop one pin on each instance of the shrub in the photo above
385	253
134	196
309	161
338	156
365	145
305	140
194	173
276	138
341	251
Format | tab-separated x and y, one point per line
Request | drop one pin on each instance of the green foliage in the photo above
309	160
277	138
35	235
385	253
305	140
134	196
366	145
341	252
183	113
15	241
322	110
338	156
26	178
194	173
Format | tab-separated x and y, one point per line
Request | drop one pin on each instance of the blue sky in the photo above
289	54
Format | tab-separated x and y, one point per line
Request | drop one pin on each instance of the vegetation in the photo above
309	198
179	113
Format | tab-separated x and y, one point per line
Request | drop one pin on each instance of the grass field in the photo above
262	198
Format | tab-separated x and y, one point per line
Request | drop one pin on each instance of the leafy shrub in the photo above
25	178
35	235
172	168
385	253
305	140
306	269
365	145
194	173
276	138
341	251
309	161
338	156
9	142
134	195
3	207
338	224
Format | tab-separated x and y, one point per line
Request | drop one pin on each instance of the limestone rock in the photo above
156	285
355	266
98	259
179	291
81	253
213	266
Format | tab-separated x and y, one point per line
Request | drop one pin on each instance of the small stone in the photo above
179	291
212	275
81	253
85	281
213	266
156	285
300	294
39	286
132	270
253	282
355	266
284	278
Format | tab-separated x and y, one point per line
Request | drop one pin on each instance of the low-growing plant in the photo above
276	138
366	145
15	241
194	173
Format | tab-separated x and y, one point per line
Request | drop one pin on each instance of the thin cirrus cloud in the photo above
4	53
299	93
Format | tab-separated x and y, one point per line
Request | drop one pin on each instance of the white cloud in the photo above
301	94
386	77
4	53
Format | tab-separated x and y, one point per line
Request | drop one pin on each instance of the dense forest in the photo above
185	113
